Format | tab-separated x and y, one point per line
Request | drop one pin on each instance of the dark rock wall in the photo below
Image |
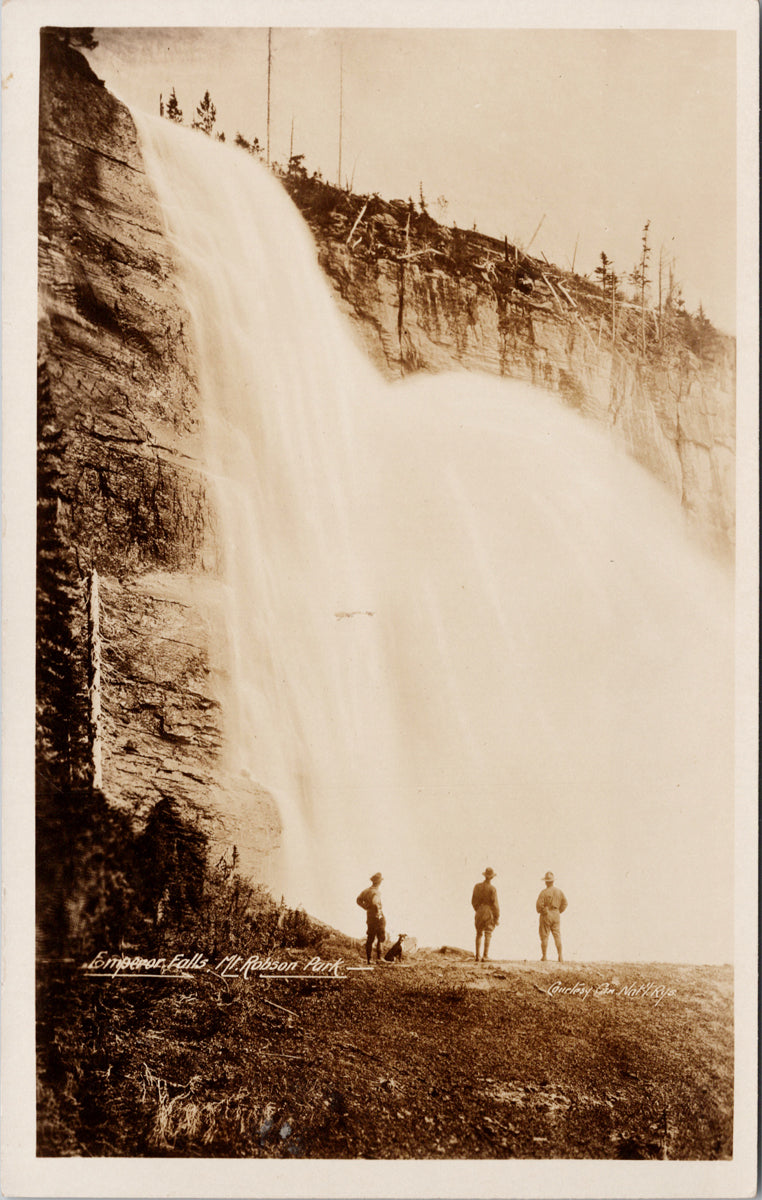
112	332
129	498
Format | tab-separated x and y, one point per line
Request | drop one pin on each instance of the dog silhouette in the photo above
395	951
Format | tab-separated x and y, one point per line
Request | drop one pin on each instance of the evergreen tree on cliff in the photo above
604	270
173	112
62	756
252	147
206	115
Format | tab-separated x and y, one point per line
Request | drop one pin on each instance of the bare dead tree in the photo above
341	107
661	259
269	74
644	282
640	281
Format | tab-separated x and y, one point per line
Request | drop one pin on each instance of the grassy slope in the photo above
435	1058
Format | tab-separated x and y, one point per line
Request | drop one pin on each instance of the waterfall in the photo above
465	629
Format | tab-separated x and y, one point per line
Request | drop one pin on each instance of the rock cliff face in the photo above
129	498
124	501
673	412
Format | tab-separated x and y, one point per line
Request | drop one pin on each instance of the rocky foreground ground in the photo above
436	1057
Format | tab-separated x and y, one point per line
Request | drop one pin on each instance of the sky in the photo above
587	134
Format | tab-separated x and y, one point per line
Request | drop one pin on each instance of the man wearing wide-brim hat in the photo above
370	900
551	902
486	912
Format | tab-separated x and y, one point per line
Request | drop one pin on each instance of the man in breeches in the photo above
551	902
486	912
370	900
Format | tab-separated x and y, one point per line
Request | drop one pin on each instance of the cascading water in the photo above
465	629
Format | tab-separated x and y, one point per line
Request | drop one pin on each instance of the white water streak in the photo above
537	671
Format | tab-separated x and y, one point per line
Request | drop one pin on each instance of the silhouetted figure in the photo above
370	900
486	912
551	902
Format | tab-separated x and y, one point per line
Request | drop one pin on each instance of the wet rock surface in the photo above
131	496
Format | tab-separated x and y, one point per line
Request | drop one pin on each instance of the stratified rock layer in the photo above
132	497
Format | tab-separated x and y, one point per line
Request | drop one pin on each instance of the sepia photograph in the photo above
380	717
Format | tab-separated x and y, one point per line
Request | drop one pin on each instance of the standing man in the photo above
486	912
370	900
551	902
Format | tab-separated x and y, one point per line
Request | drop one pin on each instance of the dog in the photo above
395	952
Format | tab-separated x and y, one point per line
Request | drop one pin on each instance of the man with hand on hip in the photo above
370	900
551	902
